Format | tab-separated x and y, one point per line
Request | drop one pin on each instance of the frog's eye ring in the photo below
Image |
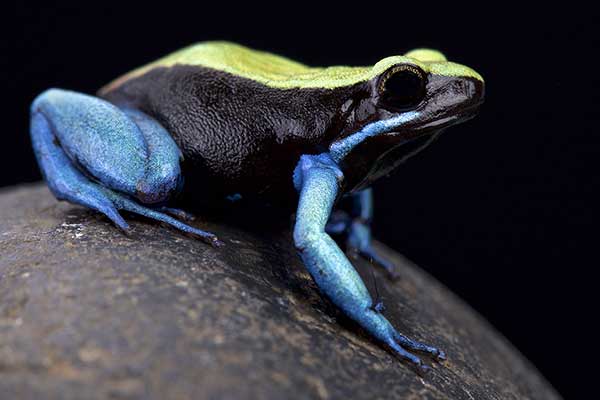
402	87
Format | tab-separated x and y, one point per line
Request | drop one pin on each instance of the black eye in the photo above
402	88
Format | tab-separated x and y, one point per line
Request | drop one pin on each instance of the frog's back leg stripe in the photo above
317	179
75	136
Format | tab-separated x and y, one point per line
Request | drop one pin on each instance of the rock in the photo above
87	312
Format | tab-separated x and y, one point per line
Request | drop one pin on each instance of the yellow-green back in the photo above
280	72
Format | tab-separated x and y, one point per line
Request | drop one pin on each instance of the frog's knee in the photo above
45	98
160	186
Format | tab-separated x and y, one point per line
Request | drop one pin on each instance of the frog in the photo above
240	123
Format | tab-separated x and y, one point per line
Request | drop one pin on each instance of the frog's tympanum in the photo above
251	124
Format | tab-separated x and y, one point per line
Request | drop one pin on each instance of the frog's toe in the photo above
124	203
406	355
413	345
178	213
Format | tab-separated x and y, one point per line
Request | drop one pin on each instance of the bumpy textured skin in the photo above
282	73
244	121
94	154
237	135
317	179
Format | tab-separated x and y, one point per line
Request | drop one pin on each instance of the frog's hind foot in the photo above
124	203
94	154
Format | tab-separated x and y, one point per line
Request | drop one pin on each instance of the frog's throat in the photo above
341	148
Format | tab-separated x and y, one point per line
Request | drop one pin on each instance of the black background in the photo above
502	209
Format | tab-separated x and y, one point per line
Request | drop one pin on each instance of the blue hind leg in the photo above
317	179
93	154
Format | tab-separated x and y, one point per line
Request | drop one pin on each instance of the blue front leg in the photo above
317	178
360	240
94	154
356	228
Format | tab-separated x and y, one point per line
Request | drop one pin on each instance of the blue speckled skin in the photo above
106	158
318	179
124	154
356	226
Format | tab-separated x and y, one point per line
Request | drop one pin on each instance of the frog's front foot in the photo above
402	346
108	159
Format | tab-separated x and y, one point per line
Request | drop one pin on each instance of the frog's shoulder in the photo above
260	66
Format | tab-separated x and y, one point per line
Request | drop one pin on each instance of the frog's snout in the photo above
462	96
476	90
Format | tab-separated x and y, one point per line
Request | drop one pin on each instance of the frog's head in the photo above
410	100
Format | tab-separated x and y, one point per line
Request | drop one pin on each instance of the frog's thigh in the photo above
128	153
123	149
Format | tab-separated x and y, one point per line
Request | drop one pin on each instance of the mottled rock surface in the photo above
87	312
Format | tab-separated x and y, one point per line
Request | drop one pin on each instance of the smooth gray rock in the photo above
87	312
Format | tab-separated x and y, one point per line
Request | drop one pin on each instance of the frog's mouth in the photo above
416	138
402	143
429	123
451	100
391	159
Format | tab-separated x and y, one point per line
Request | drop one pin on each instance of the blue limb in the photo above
317	178
176	212
124	203
357	227
360	240
339	223
93	154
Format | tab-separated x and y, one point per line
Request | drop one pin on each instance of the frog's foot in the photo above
317	178
121	202
378	326
93	154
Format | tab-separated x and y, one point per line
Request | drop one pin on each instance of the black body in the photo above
238	135
241	136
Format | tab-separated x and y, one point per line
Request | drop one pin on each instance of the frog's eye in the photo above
402	87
